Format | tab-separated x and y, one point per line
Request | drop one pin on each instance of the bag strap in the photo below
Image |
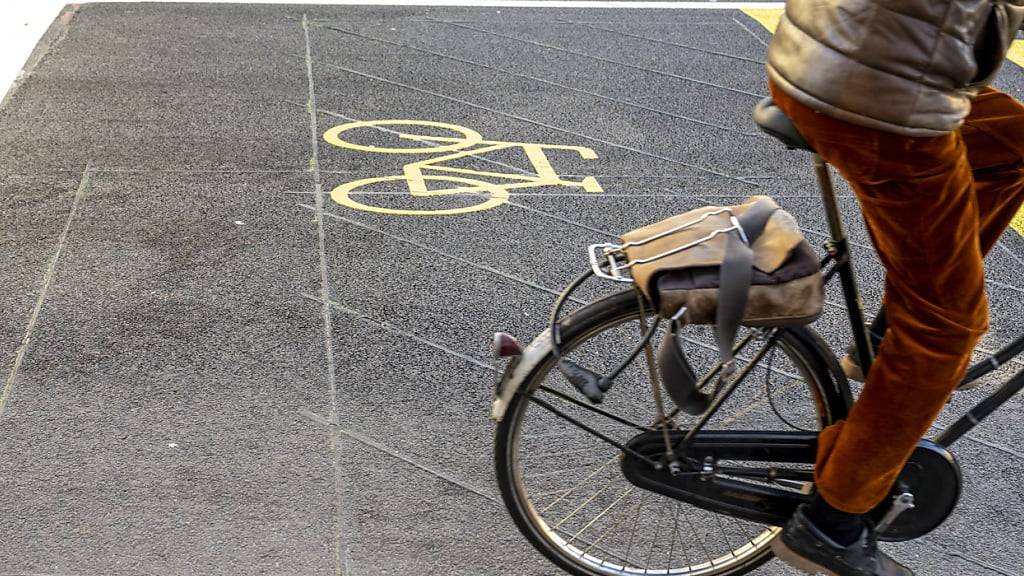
735	278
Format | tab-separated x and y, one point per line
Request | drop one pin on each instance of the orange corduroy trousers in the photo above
933	207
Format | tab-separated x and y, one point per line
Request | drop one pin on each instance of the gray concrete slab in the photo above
34	210
154	425
231	374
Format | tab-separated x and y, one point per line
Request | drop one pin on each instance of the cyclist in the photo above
895	96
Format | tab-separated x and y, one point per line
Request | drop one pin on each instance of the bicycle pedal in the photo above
589	383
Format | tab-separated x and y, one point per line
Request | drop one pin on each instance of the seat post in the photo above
828	197
839	249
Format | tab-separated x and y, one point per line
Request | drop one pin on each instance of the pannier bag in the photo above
778	272
727	265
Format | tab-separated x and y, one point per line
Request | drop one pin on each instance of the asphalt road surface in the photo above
231	340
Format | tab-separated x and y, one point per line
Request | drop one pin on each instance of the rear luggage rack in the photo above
613	256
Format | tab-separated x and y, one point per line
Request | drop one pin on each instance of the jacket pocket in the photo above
994	39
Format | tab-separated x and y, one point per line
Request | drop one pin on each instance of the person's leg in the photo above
918	200
994	137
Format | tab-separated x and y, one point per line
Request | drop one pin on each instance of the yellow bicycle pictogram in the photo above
459	181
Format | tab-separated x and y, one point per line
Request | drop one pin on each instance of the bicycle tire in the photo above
828	387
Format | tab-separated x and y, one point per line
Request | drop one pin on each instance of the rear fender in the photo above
516	373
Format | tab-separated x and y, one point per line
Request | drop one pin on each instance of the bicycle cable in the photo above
771	401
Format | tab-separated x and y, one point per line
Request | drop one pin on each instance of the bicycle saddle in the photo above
772	120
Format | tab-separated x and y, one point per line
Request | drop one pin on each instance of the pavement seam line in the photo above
543	124
966	557
1006	249
757	401
588	195
666	42
447	255
992	445
607	60
395	453
395	329
325	311
561	219
116	170
48	276
751	32
553	83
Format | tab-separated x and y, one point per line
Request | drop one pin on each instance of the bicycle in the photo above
606	489
486	194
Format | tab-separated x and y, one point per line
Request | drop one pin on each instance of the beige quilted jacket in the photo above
905	66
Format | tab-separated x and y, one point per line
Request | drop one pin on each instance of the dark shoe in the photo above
803	546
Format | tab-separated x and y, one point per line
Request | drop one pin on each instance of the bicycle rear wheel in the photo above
563	485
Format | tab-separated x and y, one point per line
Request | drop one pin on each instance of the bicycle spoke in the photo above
650	553
636	521
581	483
725	534
622	518
698	538
562	471
596	547
582	506
672	538
602	513
746	532
560	454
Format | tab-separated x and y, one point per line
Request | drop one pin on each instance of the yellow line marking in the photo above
1016	54
470	137
498	195
470	144
767	17
1018	222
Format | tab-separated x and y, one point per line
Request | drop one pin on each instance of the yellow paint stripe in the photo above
1018	222
1016	55
767	17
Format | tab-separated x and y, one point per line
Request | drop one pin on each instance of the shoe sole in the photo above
787	555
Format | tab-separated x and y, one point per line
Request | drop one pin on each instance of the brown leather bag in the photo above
785	283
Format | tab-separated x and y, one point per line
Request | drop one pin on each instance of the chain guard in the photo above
932	475
761	503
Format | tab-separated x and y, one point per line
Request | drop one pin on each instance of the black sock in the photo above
840	526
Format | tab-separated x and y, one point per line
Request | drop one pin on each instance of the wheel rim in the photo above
578	541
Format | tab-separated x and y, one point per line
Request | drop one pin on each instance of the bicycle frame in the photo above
839	253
